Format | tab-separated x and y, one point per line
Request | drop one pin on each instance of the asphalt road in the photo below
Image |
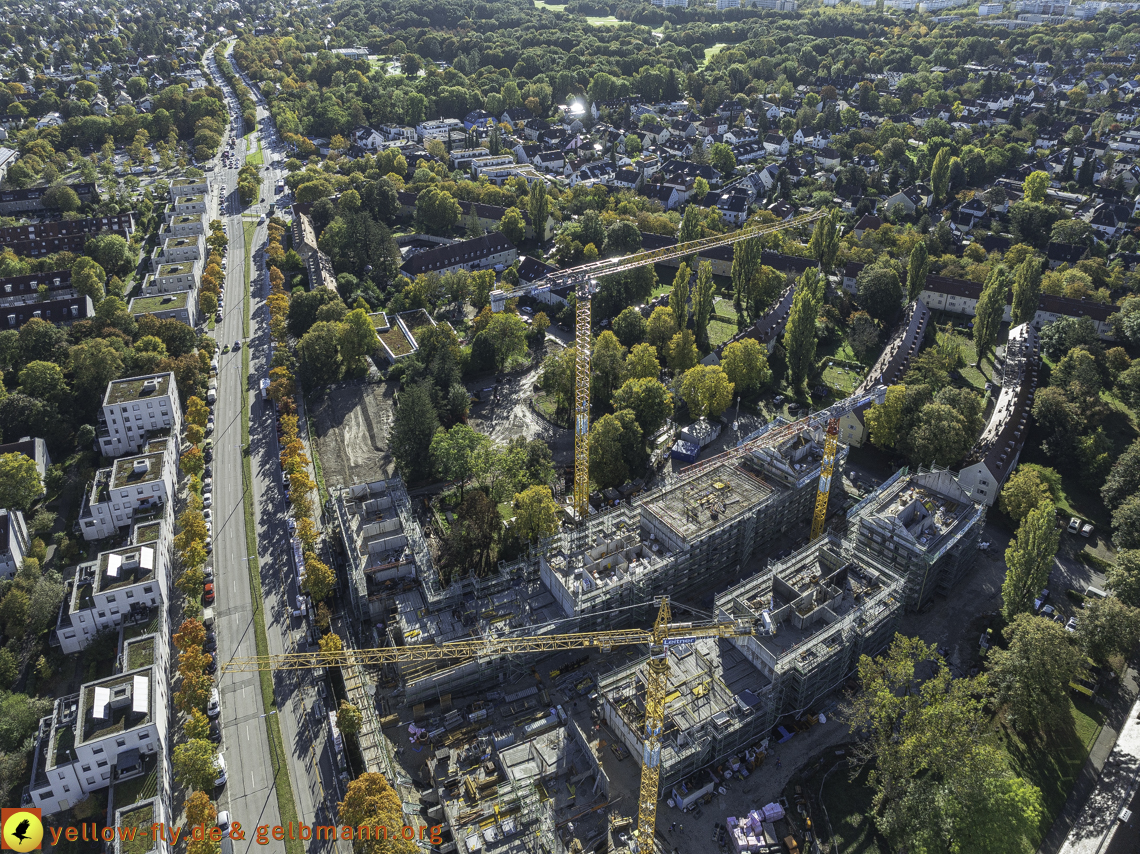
303	716
249	794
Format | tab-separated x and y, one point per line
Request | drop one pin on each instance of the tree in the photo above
706	390
358	337
661	328
319	355
989	310
917	266
940	173
512	225
197	412
459	454
824	243
879	293
649	400
622	238
43	380
690	229
413	428
681	353
629	326
1126	524
370	801
799	334
61	197
722	158
1035	186
1057	421
190	634
1029	559
939	435
20	483
1124	577
507	333
1123	479
607	367
538	205
612	439
1108	628
536	513
1061	336
1032	676
1023	492
88	279
703	304
746	256
194	764
110	251
348	718
319	580
1026	290
937	772
437	212
200	810
745	363
679	296
92	364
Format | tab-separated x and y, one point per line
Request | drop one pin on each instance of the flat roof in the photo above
124	474
710	499
924	508
136	388
114	715
160	302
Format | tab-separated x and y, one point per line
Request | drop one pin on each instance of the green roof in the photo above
120	391
160	302
175	269
140	653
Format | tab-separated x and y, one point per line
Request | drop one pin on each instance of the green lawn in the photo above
554	7
720	332
599	21
842	378
256	157
711	52
1052	766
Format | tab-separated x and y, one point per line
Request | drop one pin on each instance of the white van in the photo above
220	762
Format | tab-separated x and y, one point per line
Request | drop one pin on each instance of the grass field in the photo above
711	52
720	332
257	156
554	7
842	378
597	21
1052	766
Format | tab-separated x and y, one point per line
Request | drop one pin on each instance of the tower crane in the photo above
664	634
584	280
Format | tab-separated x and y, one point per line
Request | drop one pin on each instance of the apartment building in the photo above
126	586
136	409
989	464
180	250
62	311
888	369
437	129
111	732
180	187
131	485
31	198
68	235
181	306
13	542
184	225
481	253
185	206
923	526
35	449
181	277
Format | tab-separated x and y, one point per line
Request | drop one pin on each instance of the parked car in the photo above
207	500
1074	525
214	706
212	667
208	592
1087	529
215	732
1041	599
220	764
1071	626
224	822
211	643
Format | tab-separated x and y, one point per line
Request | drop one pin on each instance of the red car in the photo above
208	592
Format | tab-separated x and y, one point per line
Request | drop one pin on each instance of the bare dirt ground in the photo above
511	416
350	424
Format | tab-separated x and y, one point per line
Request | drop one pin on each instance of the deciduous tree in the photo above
1029	559
1108	628
706	390
989	310
745	363
536	513
20	483
1032	676
413	428
703	304
1023	492
1026	290
194	764
799	335
650	401
319	580
369	800
681	353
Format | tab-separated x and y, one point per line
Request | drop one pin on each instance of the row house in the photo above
989	463
62	309
31	198
47	238
903	346
490	251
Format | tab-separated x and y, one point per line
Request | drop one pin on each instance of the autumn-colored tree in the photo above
319	579
192	662
370	800
330	644
193	692
197	725
197	412
190	634
307	533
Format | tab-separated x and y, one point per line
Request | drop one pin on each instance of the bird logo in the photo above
23	830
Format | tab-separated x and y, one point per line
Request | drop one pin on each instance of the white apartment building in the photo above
189	187
684	4
111	731
184	225
13	542
438	129
136	408
185	206
180	250
124	586
137	484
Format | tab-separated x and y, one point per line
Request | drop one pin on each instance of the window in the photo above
66	789
148	589
90	781
48	794
984	482
143	736
111	597
102	763
120	742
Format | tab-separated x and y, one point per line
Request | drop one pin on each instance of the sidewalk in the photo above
1086	817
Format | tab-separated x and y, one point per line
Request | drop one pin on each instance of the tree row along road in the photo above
309	763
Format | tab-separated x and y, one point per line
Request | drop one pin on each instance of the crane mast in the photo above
826	470
664	634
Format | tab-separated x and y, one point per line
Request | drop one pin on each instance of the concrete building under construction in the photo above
696	532
816	611
924	526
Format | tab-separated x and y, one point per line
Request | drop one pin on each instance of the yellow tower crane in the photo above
584	279
664	634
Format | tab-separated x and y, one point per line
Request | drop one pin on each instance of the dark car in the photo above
208	455
211	643
215	732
